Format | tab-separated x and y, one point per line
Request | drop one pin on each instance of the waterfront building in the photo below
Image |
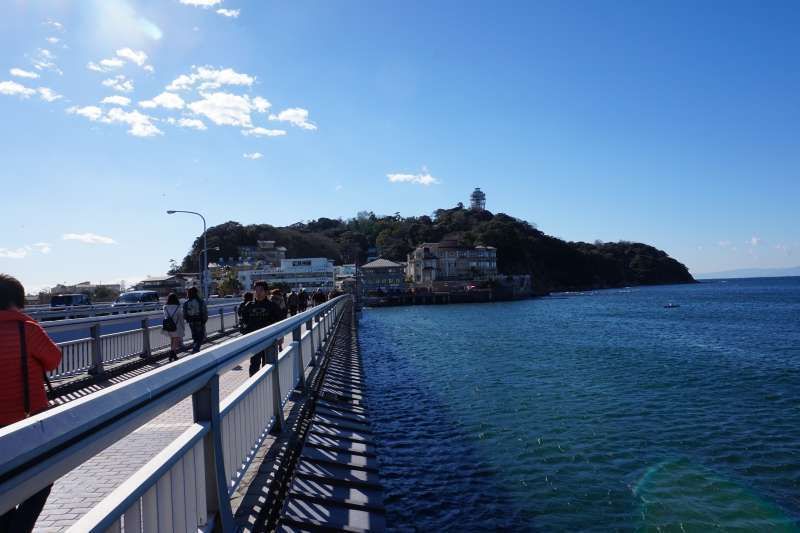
264	251
477	200
344	271
450	261
382	276
297	273
164	285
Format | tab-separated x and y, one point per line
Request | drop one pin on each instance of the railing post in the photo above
277	408
205	404
146	350
309	326
221	321
97	351
298	347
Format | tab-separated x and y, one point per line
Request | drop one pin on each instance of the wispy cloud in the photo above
253	156
230	13
19	73
119	83
23	251
88	238
208	77
91	112
116	100
48	95
165	100
190	123
201	3
44	59
423	178
296	116
12	88
263	132
753	241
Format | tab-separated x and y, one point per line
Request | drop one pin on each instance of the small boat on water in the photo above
671	306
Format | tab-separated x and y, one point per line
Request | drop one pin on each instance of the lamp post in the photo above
205	248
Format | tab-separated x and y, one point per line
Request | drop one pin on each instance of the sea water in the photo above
591	411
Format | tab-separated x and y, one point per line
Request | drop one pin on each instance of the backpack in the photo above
169	324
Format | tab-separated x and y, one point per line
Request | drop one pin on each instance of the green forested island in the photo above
555	265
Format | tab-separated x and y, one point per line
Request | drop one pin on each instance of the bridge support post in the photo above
309	327
221	321
277	408
97	352
205	405
146	350
297	346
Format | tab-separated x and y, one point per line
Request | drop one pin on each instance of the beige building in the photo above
264	251
449	261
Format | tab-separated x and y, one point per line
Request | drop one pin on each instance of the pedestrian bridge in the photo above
188	484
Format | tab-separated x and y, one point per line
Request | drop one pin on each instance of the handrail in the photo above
40	449
72	324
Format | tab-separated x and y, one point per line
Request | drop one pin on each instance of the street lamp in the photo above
205	248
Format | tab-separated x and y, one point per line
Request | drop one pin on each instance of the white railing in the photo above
89	354
187	485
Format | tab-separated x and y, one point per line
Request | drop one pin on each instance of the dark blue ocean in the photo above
593	411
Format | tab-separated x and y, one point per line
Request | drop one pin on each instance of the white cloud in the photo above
119	83
140	125
165	100
224	109
230	13
88	238
191	123
261	104
783	248
201	3
253	156
296	116
42	247
19	73
45	60
54	24
149	68
263	132
91	112
210	78
140	58
116	100
424	178
53	40
18	253
48	95
754	241
12	88
106	65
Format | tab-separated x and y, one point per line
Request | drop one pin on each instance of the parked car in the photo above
66	300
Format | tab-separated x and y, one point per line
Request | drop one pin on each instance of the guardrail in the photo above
91	353
188	484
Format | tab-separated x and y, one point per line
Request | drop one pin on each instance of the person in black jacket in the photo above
195	313
248	297
260	313
302	300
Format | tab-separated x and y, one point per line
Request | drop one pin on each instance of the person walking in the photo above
248	297
291	303
174	325
319	296
276	297
195	313
302	300
26	353
260	313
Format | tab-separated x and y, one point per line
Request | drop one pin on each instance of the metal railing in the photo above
187	485
91	353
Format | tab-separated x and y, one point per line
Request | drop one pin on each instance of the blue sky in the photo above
671	123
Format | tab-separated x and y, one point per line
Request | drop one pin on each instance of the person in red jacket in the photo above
24	349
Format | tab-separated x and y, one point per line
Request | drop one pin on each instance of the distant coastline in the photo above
741	273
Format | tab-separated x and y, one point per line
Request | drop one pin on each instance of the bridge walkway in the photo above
83	488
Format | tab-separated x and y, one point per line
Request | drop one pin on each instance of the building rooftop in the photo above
382	263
